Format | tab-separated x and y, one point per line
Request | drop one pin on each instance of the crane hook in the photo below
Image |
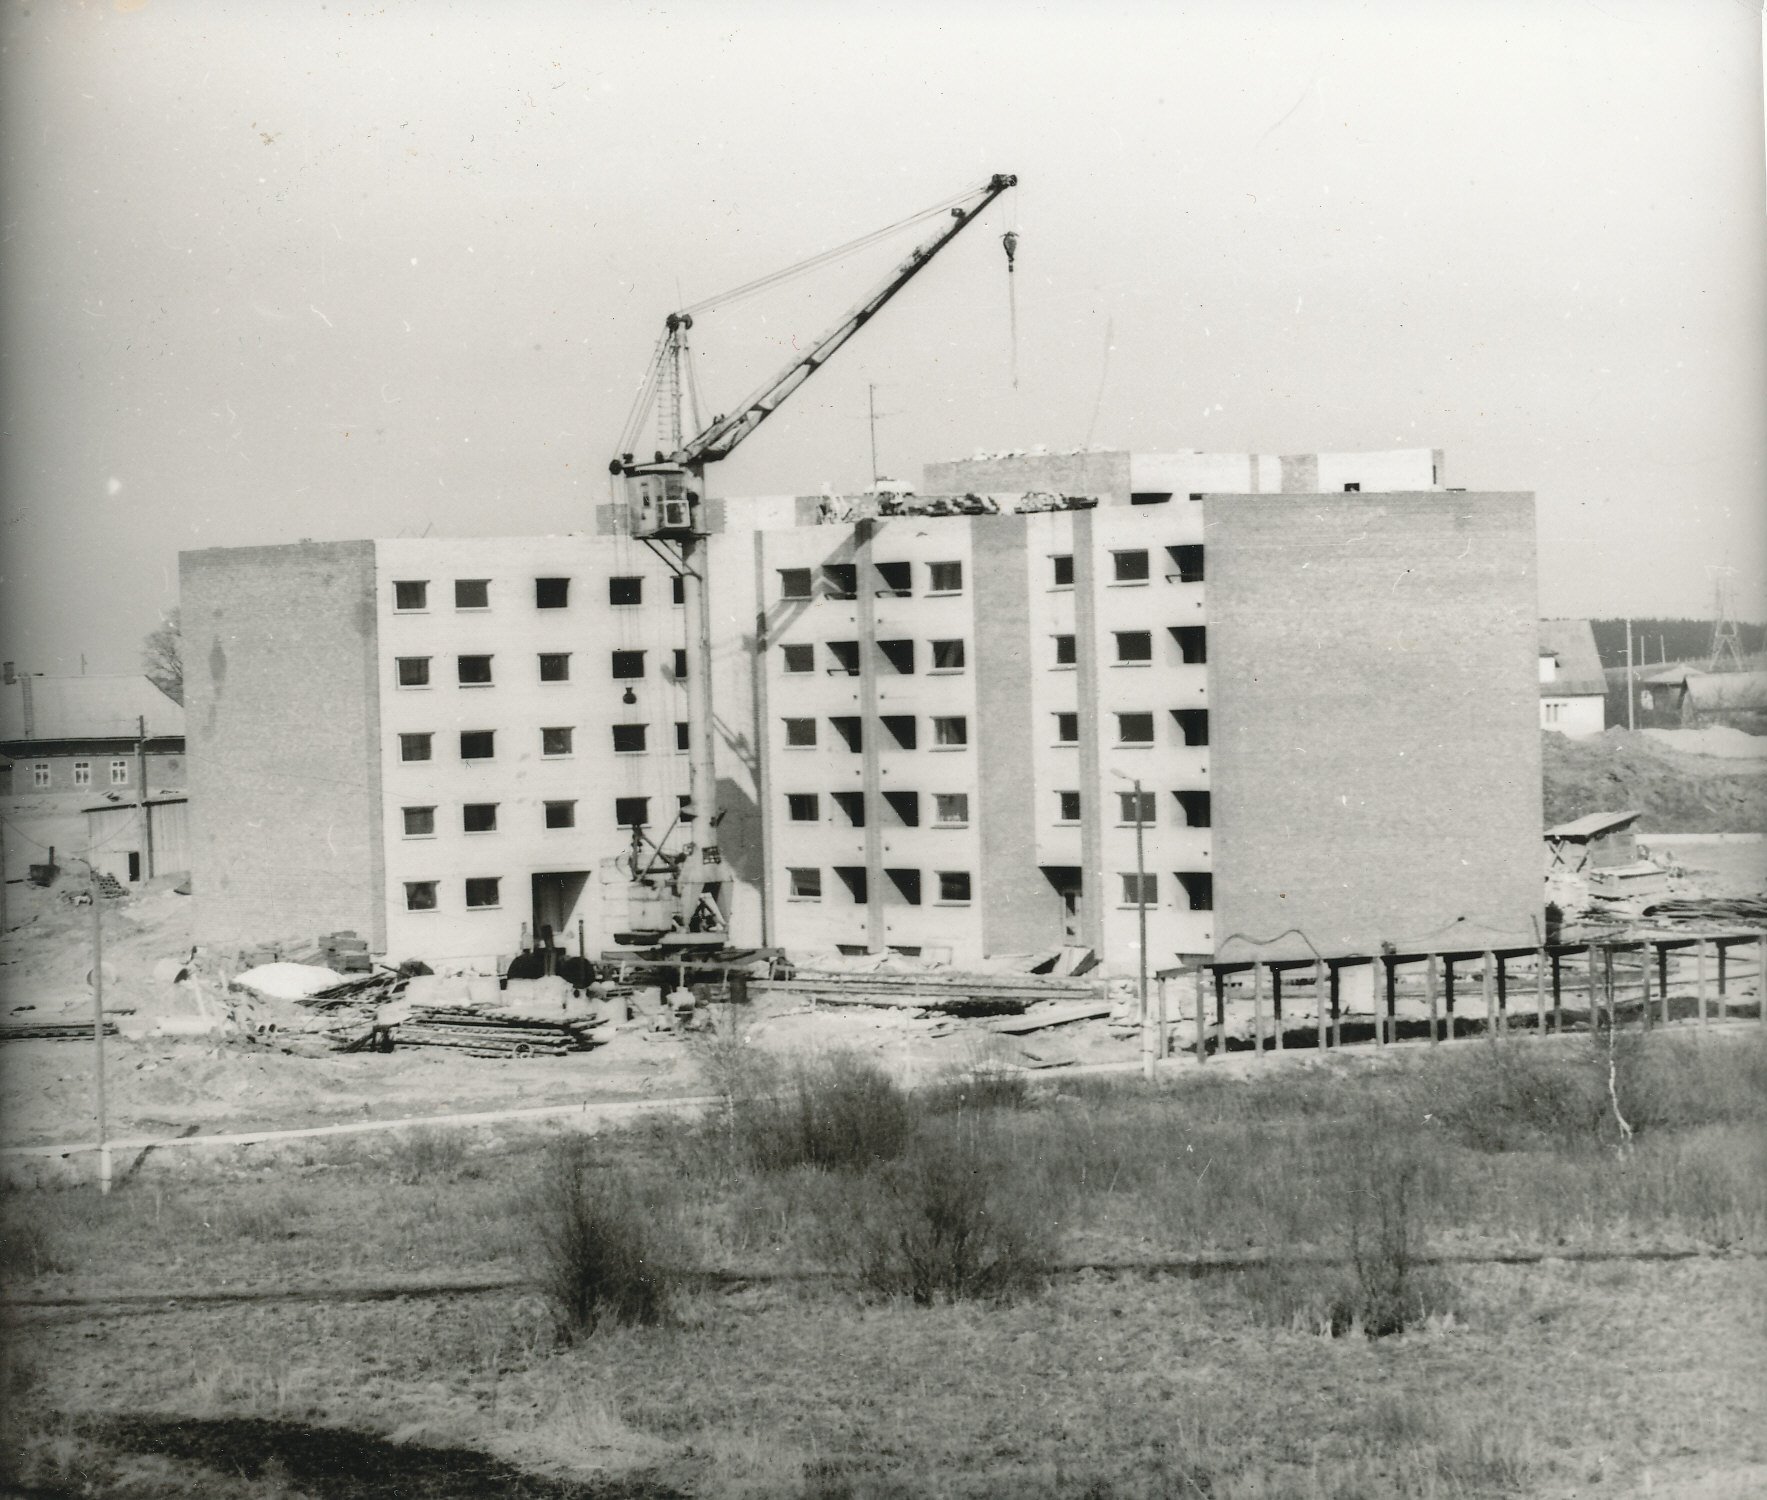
1010	241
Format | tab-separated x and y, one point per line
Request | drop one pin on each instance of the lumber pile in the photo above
51	1031
485	1033
1747	910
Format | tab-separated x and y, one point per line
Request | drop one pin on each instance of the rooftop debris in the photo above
1726	910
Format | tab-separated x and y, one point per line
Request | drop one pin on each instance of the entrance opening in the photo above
1067	884
556	898
134	865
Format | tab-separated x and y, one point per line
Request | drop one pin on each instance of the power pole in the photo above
1631	696
871	417
98	1030
147	870
1141	927
1726	652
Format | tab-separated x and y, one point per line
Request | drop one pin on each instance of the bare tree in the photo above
162	654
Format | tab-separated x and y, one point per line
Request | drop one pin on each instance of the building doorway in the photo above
1066	882
557	895
134	866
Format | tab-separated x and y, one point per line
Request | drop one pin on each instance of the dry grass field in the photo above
1412	1274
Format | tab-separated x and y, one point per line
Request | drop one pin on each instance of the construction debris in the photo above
51	1031
1039	1017
1726	910
487	1033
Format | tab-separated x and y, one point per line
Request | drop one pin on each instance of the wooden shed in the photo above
1597	841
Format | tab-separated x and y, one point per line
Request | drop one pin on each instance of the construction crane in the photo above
675	892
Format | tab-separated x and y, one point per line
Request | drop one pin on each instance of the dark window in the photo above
1199	889
902	729
561	814
555	666
907	884
629	738
803	807
411	593
951	732
420	895
1188	561
944	577
413	671
1194	722
1064	651
950	807
806	883
414	747
680	664
478	817
840	580
473	671
898	578
853	878
1193	642
846	658
682	741
558	740
1064	570
625	590
1067	729
481	890
947	656
853	805
631	812
1127	802
899	654
1196	494
552	593
478	744
1351	489
628	664
800	732
954	885
906	806
847	727
798	658
1134	729
794	583
420	822
1069	805
1196	808
1149	497
1141	890
1129	567
677	589
472	593
1134	645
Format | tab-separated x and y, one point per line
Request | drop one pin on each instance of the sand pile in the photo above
1676	792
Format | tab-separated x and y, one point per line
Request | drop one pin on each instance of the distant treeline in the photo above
1667	640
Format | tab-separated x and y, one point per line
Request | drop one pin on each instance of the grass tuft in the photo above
835	1112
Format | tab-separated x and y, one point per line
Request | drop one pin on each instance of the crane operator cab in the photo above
661	501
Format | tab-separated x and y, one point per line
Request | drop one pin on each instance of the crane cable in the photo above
1010	241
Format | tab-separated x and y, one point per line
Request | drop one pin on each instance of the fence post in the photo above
1558	995
1761	978
1202	1024
1165	1037
1502	995
1663	979
1448	992
1391	1020
1258	1007
1594	987
1337	1023
1487	979
1276	1004
1319	1000
1723	951
1699	977
1429	990
1220	1011
1540	962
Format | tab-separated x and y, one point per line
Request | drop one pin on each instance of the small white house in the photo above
1573	689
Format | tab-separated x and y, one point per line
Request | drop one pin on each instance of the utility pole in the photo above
1141	927
1631	696
871	417
98	1029
147	870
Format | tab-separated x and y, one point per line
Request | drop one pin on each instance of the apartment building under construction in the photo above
1235	696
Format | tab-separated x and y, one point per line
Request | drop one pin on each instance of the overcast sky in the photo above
276	270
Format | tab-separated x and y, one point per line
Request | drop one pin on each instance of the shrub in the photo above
601	1245
954	1218
427	1155
835	1111
1511	1095
982	1082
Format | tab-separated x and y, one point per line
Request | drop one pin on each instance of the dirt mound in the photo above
1675	792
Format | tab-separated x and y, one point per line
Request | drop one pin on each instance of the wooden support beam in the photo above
1502	994
1448	992
1202	1019
1699	977
1390	1021
1319	1001
1337	1025
1558	998
1487	981
1429	991
1258	1008
1594	987
1276	1004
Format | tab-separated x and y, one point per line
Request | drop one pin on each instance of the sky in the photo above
280	270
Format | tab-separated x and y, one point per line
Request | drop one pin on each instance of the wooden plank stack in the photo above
481	1033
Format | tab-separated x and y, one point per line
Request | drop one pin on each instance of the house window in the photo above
414	747
944	577
954	887
1141	890
906	806
472	593
478	817
1195	806
40	773
1188	561
1149	497
680	664
903	729
1129	567
1136	807
413	671
853	805
853	878
1067	729
682	741
846	658
1552	710
677	589
631	812
410	594
798	658
1352	489
951	733
795	583
420	895
840	580
1068	807
420	822
1134	645
1199	889
947	656
481	891
907	884
898	579
627	590
1063	565
899	654
804	807
1193	643
1194	724
552	593
628	664
119	773
1134	729
555	666
629	739
557	740
561	814
800	733
478	744
473	671
82	773
847	727
806	883
951	807
1065	655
